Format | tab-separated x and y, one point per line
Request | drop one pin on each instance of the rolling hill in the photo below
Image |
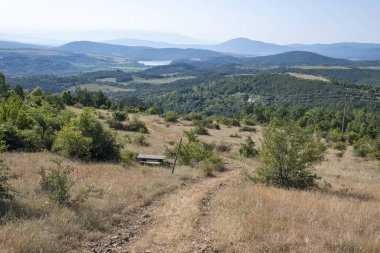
244	46
137	53
4	44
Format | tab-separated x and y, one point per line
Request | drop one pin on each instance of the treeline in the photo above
36	121
57	84
352	75
227	95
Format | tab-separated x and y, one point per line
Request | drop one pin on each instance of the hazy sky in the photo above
278	21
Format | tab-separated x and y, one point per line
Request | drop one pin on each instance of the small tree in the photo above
119	116
5	188
171	116
287	155
70	142
247	149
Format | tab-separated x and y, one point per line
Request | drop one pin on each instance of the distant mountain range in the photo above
20	59
138	53
243	46
237	47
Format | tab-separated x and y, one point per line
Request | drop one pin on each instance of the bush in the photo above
335	135
223	147
140	139
193	151
366	147
211	164
114	124
119	116
193	116
247	129
247	149
103	145
56	182
229	121
153	110
201	130
136	125
249	121
127	158
286	155
5	189
340	146
70	142
171	116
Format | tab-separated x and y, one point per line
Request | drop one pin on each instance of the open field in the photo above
163	80
321	67
149	209
309	77
101	87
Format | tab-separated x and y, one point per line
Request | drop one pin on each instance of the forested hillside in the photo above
227	95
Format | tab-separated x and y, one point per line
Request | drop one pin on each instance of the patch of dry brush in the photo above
344	217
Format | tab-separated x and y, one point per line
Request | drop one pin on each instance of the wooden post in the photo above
176	155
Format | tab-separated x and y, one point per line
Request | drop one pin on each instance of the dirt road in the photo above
176	222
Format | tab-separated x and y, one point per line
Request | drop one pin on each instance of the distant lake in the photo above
155	63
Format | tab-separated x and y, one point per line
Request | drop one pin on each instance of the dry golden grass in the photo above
245	217
36	225
342	218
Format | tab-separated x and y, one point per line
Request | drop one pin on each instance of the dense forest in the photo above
56	84
226	95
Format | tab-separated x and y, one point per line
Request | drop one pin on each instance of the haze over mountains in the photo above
244	46
79	56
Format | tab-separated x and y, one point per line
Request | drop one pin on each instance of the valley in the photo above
197	126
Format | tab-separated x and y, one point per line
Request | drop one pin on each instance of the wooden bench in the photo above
151	159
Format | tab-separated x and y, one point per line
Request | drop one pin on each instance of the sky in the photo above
212	21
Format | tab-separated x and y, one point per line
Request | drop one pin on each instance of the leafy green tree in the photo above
5	188
119	116
104	146
171	116
247	149
19	91
70	142
68	98
287	155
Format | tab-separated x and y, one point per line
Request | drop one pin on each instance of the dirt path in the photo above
173	223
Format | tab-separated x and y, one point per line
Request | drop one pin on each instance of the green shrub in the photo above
341	146
335	135
249	121
56	182
211	164
366	147
114	124
119	116
140	139
229	121
286	156
247	149
351	137
104	146
136	125
127	158
171	116
153	110
193	116
70	142
5	189
223	147
247	129
193	150
201	130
